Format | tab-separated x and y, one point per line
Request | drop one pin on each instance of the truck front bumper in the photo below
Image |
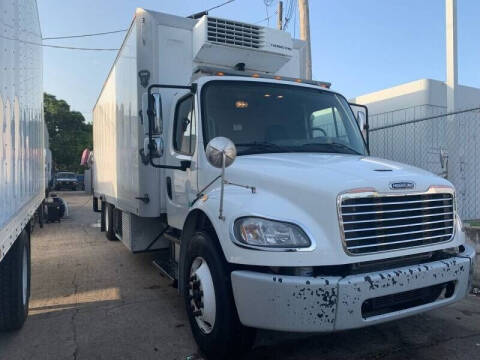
325	304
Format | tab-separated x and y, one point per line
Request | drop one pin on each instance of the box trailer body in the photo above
278	240
22	152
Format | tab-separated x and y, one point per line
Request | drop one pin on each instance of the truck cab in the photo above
272	213
319	236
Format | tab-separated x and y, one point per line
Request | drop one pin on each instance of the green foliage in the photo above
69	134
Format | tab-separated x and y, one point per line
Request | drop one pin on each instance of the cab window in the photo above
184	127
327	122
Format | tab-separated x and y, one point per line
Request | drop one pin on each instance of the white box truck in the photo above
22	159
257	190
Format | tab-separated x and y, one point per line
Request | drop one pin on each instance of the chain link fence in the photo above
445	144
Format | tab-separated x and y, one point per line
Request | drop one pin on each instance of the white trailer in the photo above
256	188
22	171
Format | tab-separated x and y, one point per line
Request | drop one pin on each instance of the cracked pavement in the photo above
93	299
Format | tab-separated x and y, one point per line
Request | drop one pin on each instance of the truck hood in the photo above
332	173
303	188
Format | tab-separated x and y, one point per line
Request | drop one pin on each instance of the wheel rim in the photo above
25	276
202	295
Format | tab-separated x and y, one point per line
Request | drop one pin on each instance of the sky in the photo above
358	46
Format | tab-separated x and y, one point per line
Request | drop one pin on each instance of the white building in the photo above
398	132
414	100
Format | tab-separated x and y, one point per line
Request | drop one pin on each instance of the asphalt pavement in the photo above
92	299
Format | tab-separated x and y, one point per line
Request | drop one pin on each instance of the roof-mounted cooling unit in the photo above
227	43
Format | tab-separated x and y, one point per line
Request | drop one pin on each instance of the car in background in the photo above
66	180
81	182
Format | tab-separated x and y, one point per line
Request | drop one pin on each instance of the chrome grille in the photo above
381	223
234	33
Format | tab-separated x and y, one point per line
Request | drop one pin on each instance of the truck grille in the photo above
382	223
234	33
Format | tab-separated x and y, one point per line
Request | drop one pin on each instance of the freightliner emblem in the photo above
402	185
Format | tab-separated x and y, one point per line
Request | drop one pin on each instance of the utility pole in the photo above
451	56
455	149
305	35
280	15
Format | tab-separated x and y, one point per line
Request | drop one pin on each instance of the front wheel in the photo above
209	301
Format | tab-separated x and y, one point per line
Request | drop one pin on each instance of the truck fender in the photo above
196	219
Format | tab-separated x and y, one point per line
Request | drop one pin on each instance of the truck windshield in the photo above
267	118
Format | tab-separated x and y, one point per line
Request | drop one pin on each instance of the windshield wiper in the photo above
334	144
261	145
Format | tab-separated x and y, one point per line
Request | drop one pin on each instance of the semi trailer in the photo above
22	153
255	188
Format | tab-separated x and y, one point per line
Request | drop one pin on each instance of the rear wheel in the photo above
95	204
109	232
15	284
209	301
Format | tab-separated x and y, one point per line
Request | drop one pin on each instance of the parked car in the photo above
66	180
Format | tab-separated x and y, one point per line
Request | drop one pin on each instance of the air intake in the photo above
226	43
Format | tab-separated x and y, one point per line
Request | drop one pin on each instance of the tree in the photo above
69	134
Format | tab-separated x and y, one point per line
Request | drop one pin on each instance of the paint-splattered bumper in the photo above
324	304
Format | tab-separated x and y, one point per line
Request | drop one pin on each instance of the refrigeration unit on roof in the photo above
228	43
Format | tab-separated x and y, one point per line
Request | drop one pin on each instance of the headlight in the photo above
269	233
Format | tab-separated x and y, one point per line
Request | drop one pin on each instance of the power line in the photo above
220	5
84	35
110	32
57	46
267	18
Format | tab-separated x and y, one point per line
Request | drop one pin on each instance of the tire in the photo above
109	232
226	338
95	204
102	216
41	215
15	284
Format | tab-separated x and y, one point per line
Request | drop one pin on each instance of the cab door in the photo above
181	186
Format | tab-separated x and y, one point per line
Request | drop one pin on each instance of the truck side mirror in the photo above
152	125
152	113
155	102
221	152
362	123
144	113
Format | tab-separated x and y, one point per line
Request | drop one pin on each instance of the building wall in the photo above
407	124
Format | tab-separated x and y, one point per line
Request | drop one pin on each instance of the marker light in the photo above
267	95
277	77
240	104
255	75
280	97
220	73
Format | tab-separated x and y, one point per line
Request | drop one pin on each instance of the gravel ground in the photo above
92	299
